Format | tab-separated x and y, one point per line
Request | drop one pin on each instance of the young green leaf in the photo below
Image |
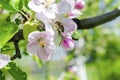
2	77
28	28
38	61
12	5
7	31
16	72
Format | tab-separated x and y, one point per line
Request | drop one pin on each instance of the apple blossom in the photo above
56	17
41	44
4	60
79	4
76	6
74	13
45	7
68	43
69	26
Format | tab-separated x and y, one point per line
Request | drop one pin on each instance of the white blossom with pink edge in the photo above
4	60
69	26
41	44
68	43
62	17
45	7
76	5
80	4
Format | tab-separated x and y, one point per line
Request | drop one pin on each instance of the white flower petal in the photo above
43	18
4	60
64	7
43	54
72	3
69	26
50	29
49	13
32	48
35	7
33	36
75	13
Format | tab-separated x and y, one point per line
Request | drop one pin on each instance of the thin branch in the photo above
23	14
16	38
17	54
98	20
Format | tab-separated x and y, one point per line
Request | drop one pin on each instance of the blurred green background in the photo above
97	56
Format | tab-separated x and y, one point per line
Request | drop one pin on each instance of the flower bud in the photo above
79	4
68	43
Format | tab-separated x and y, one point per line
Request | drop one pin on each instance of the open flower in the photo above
68	43
62	19
44	9
69	27
41	44
4	60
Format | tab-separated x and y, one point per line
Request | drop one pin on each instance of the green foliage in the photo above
13	5
16	72
76	35
7	31
2	77
28	28
38	61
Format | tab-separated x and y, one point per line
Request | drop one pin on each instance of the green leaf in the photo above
28	28
7	31
16	72
2	77
12	5
38	61
5	4
76	35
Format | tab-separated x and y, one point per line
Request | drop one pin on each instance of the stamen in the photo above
48	3
59	26
41	42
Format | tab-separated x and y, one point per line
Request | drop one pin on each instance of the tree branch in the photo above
98	20
17	54
16	38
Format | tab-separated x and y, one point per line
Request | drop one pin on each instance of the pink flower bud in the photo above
79	4
68	43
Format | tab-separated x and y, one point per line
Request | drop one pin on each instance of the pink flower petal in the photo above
68	44
79	4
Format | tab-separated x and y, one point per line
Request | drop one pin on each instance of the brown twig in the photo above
89	23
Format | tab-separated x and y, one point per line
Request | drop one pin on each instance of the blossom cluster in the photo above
57	20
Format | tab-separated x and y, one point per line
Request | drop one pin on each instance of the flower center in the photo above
48	3
59	26
66	15
41	42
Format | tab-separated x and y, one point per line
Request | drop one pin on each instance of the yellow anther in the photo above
48	3
41	42
66	15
